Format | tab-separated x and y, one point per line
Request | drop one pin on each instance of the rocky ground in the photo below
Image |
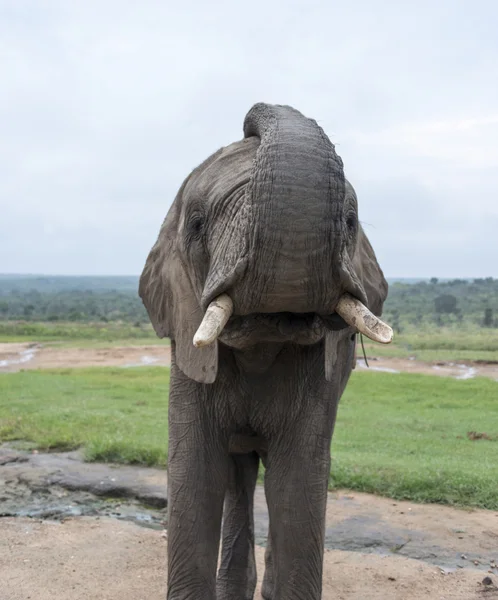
78	530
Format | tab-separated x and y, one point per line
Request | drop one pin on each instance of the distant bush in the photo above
67	299
446	304
435	302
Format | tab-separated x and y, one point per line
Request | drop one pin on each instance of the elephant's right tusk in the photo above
356	314
215	318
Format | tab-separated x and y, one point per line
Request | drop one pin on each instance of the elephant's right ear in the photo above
174	310
370	274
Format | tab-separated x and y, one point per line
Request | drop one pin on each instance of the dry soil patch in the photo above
15	357
86	558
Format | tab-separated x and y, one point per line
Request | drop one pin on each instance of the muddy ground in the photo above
15	357
77	530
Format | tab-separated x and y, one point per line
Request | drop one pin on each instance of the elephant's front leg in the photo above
237	573
197	477
296	484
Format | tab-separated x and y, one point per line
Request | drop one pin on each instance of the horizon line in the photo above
17	274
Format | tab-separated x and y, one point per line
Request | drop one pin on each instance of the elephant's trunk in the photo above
295	198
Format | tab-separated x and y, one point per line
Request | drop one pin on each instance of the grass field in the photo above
78	334
404	436
468	343
115	414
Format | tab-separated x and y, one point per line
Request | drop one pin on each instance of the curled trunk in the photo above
295	195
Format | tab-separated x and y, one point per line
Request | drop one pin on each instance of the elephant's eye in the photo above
195	226
351	222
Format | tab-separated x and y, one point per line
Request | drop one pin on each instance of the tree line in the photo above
91	299
446	302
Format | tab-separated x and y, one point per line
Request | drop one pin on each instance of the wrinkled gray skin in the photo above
272	221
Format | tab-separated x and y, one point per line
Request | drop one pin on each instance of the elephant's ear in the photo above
370	274
174	310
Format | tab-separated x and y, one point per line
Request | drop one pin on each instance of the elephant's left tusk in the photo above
215	318
357	315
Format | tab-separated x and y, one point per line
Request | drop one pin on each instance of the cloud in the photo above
469	142
106	107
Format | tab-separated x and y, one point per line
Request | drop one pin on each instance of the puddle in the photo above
24	356
362	364
144	361
467	372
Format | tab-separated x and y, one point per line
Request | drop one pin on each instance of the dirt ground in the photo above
15	357
376	548
85	559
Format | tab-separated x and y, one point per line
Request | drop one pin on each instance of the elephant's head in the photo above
263	243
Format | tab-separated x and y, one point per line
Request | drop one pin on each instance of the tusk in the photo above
215	318
357	315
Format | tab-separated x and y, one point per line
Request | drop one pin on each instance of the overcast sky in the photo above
106	106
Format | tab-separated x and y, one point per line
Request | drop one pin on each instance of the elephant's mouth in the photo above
299	328
220	322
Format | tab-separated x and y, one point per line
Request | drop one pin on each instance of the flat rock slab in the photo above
87	558
67	470
61	485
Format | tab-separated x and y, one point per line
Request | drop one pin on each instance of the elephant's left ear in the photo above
172	305
370	274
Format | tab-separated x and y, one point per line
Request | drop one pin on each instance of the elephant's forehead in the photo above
228	170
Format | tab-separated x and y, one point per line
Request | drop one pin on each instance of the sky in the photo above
105	108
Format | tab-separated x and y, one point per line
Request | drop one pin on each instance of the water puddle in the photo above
363	365
144	362
24	356
467	372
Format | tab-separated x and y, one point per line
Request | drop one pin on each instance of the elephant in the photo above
262	277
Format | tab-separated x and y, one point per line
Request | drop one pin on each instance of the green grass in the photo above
78	334
115	343
116	415
445	343
397	350
403	436
451	338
